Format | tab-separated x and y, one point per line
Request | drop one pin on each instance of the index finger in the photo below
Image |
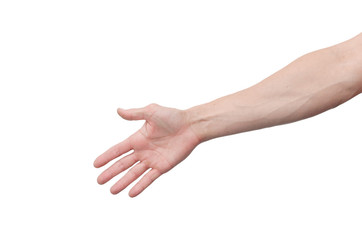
115	151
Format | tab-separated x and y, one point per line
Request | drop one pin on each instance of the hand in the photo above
163	141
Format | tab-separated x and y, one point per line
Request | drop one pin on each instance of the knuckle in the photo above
132	173
152	106
120	165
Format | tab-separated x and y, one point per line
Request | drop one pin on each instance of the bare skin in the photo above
164	141
312	84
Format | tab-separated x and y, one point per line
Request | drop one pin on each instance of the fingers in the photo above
130	176
133	114
115	151
145	181
118	167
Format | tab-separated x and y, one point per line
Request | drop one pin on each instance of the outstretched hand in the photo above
162	142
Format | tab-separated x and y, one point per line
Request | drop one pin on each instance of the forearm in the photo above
308	86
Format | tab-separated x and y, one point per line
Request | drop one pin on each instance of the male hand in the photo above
163	141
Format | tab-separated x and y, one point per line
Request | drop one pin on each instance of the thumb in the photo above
133	114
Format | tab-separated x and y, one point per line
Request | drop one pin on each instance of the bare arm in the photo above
312	84
308	86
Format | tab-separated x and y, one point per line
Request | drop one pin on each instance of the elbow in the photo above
358	70
349	55
359	82
358	61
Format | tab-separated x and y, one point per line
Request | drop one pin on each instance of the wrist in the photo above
206	120
197	123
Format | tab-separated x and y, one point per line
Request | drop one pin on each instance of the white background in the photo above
65	66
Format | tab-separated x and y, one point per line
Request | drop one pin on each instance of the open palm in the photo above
163	141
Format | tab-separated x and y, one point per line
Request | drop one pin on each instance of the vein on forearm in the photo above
312	84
